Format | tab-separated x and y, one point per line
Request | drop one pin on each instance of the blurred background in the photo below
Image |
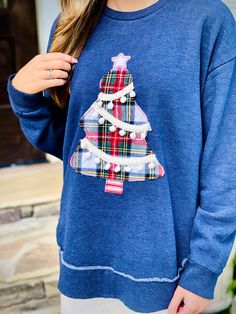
31	182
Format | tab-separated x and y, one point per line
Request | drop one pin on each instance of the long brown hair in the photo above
77	20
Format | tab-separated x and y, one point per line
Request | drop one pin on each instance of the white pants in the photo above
96	306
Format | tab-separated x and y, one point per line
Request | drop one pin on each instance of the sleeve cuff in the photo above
21	101
198	279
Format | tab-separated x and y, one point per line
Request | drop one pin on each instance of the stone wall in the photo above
29	260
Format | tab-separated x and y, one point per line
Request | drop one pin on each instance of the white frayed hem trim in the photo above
146	279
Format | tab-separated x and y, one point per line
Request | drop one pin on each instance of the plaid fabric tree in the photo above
115	146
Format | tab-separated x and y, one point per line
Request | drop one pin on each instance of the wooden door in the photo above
18	44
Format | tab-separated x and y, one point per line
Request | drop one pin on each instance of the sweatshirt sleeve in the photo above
41	120
214	227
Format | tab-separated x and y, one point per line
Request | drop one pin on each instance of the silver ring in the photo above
50	74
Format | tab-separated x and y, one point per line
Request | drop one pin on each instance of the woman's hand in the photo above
34	76
186	302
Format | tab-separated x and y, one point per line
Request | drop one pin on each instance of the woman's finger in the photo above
56	55
188	309
56	74
175	302
56	65
51	83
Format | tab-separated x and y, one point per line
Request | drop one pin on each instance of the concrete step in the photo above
31	184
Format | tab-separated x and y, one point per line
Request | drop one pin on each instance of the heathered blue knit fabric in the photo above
175	230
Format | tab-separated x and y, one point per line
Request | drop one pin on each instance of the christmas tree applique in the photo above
115	146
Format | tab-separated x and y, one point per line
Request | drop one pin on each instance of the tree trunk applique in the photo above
115	146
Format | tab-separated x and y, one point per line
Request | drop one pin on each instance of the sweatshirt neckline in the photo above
131	15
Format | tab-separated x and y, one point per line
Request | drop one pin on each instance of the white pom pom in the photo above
123	99
117	168
112	128
122	132
132	135
83	144
151	165
87	155
127	168
143	135
110	105
101	120
107	166
132	93
97	160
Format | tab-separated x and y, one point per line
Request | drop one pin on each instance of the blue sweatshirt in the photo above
173	64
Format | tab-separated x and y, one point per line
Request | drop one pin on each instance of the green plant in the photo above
232	286
227	311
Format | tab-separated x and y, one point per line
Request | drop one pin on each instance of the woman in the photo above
145	125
